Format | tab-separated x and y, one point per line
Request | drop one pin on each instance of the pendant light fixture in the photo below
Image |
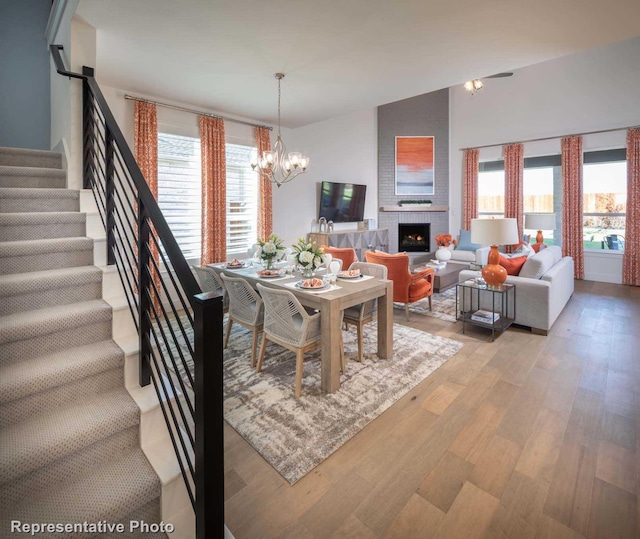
278	166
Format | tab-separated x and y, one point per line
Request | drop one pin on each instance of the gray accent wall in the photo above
424	115
25	102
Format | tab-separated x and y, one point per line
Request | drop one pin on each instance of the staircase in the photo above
69	430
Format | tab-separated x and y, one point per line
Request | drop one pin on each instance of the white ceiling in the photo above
339	56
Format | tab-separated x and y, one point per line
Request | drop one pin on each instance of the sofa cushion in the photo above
464	242
513	265
537	265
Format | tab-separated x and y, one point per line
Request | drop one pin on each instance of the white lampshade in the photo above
540	221
494	231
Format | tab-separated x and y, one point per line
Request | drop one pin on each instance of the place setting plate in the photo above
345	275
271	274
300	285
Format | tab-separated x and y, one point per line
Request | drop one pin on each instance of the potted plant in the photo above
443	241
270	250
308	257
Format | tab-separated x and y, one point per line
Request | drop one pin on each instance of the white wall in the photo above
589	91
341	149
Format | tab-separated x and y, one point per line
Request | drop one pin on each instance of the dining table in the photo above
330	302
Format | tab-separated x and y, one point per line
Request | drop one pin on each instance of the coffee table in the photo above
446	277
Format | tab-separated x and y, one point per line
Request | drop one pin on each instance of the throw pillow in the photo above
512	265
464	242
524	249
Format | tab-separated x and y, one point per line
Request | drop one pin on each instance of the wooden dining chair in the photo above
362	314
210	282
245	307
407	287
287	323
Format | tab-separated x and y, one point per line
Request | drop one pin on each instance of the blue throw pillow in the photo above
464	242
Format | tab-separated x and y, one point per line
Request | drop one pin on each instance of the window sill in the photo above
604	253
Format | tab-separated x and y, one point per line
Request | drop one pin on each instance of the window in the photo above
541	195
242	199
491	190
180	193
604	199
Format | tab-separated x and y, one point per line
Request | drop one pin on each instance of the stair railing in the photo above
179	328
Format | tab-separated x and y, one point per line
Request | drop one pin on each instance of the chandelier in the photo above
278	166
473	85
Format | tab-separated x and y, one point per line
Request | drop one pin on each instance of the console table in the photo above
360	240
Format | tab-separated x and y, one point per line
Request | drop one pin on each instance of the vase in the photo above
307	273
443	254
268	263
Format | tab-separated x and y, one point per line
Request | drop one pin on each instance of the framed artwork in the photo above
414	165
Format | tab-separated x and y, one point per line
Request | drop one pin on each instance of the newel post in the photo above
209	444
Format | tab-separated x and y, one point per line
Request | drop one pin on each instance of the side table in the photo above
494	299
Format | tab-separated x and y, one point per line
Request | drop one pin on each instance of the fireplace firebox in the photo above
414	237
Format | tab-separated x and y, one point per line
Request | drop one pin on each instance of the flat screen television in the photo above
342	202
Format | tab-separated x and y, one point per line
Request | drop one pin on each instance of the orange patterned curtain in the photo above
146	152
513	181
572	242
470	187
631	256
265	211
214	190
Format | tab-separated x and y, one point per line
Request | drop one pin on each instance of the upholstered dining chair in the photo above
287	323
346	254
245	307
362	314
407	287
210	282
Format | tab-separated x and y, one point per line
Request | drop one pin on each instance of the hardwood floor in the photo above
529	436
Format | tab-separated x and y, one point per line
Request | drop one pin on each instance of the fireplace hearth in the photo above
414	237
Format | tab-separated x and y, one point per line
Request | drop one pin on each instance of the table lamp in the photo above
494	232
539	222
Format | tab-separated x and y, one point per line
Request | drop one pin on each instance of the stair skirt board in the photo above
70	446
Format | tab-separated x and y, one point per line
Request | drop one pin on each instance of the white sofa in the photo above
479	256
543	288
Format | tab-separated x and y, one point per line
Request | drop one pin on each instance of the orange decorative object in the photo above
407	287
346	254
444	240
493	273
512	265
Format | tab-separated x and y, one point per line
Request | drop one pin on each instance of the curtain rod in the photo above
550	138
192	111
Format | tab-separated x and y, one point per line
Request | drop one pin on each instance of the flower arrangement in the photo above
270	249
444	240
308	256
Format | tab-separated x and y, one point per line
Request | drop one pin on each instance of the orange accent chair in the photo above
346	254
407	287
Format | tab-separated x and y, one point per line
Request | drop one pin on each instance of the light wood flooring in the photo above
529	436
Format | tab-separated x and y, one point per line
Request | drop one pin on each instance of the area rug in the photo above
295	435
444	306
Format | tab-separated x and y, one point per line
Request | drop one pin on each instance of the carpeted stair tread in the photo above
25	157
44	225
39	281
29	177
59	432
110	492
31	324
45	254
22	378
41	289
42	246
19	200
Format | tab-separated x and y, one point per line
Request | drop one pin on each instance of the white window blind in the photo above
242	199
179	193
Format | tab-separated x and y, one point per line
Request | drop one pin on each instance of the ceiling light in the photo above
278	166
473	85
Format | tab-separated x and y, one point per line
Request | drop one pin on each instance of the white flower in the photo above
305	258
316	262
269	248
